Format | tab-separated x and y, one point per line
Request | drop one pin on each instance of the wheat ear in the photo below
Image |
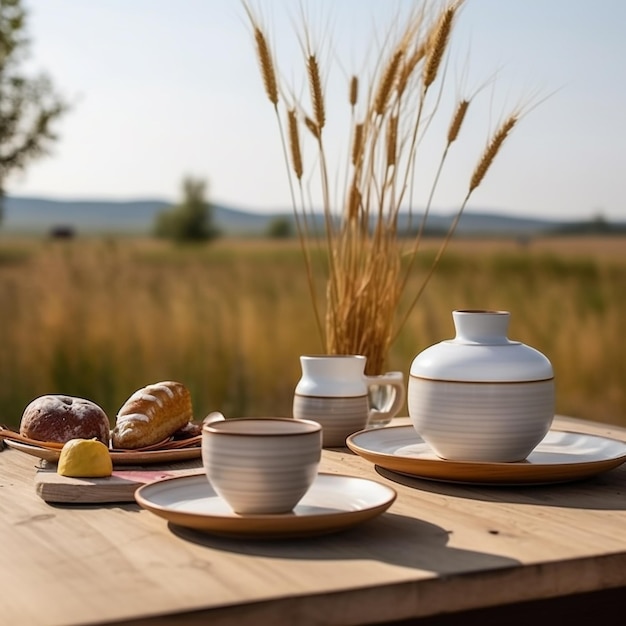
457	120
267	66
387	82
493	147
354	202
392	140
315	85
354	90
438	46
294	143
357	145
312	126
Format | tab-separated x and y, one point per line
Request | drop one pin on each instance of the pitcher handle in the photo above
396	380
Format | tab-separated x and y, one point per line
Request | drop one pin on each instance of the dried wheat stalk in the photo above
370	257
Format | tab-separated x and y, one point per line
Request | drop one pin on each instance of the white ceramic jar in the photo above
481	396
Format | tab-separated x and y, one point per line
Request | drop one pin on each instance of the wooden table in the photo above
442	554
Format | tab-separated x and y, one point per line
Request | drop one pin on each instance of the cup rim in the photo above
214	427
332	356
481	312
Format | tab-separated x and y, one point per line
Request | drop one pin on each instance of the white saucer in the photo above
334	502
560	457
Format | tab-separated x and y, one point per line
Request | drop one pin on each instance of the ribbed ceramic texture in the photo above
339	417
261	474
492	422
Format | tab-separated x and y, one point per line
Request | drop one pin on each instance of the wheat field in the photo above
99	318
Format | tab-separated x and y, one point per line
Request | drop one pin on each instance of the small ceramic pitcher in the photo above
335	391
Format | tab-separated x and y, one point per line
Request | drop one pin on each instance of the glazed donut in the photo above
60	418
152	414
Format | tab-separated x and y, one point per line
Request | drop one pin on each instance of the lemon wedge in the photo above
85	458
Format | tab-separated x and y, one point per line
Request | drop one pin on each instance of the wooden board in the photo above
120	487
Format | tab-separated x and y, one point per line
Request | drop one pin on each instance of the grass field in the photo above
99	318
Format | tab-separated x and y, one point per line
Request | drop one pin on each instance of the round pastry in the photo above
61	418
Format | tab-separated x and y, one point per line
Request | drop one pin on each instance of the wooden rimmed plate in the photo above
145	457
333	503
561	456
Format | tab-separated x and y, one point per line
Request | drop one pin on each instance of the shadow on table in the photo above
390	538
604	492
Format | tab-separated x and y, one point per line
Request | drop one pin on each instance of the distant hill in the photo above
26	215
40	216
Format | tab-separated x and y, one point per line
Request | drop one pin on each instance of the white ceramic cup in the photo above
335	391
261	465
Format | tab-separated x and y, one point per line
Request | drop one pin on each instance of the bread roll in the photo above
60	418
152	414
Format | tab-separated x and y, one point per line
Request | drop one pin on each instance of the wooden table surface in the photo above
440	549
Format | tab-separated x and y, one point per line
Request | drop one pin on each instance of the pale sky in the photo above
165	89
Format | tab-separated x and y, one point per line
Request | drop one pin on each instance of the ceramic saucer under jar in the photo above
481	396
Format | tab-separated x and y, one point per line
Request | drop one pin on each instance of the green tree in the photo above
280	228
28	106
192	219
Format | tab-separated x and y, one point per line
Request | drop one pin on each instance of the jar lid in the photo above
451	361
481	352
